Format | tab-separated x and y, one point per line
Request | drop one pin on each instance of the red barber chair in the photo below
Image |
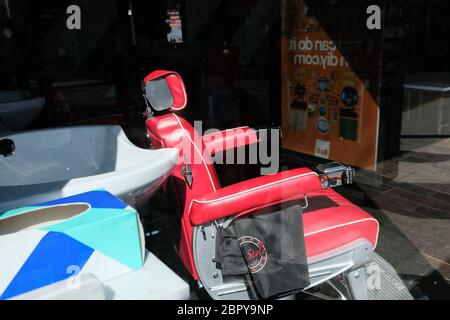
339	236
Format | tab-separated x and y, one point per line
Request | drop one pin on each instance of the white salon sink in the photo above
53	163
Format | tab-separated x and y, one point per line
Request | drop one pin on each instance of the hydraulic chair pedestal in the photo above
376	280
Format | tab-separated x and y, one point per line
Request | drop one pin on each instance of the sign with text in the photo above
176	28
330	83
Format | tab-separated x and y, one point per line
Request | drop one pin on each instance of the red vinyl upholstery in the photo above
171	131
176	85
331	228
249	195
205	201
229	139
325	229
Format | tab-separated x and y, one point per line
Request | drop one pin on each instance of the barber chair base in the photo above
351	268
375	280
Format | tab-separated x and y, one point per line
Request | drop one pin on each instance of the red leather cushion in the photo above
252	194
176	86
229	139
171	131
179	95
331	228
324	229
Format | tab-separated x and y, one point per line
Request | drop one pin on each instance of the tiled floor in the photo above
414	193
414	242
411	200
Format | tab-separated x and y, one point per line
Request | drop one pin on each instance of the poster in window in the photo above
330	81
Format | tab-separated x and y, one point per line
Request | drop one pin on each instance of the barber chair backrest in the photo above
165	93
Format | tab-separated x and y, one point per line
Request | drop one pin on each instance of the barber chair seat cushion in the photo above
330	226
333	227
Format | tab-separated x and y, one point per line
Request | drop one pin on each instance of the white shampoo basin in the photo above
54	163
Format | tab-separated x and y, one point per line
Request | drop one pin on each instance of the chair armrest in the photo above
253	194
229	139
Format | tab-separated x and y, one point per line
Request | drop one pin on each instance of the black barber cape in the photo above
269	247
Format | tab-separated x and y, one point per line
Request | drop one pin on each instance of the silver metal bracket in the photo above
335	174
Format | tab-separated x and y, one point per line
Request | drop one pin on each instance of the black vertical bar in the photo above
132	26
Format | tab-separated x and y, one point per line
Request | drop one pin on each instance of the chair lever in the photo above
306	203
187	174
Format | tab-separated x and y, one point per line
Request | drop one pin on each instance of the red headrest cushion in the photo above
175	85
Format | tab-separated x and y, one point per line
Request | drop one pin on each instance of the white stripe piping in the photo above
196	148
349	224
224	131
250	190
184	91
256	188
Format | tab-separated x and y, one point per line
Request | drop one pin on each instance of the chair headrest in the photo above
165	90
